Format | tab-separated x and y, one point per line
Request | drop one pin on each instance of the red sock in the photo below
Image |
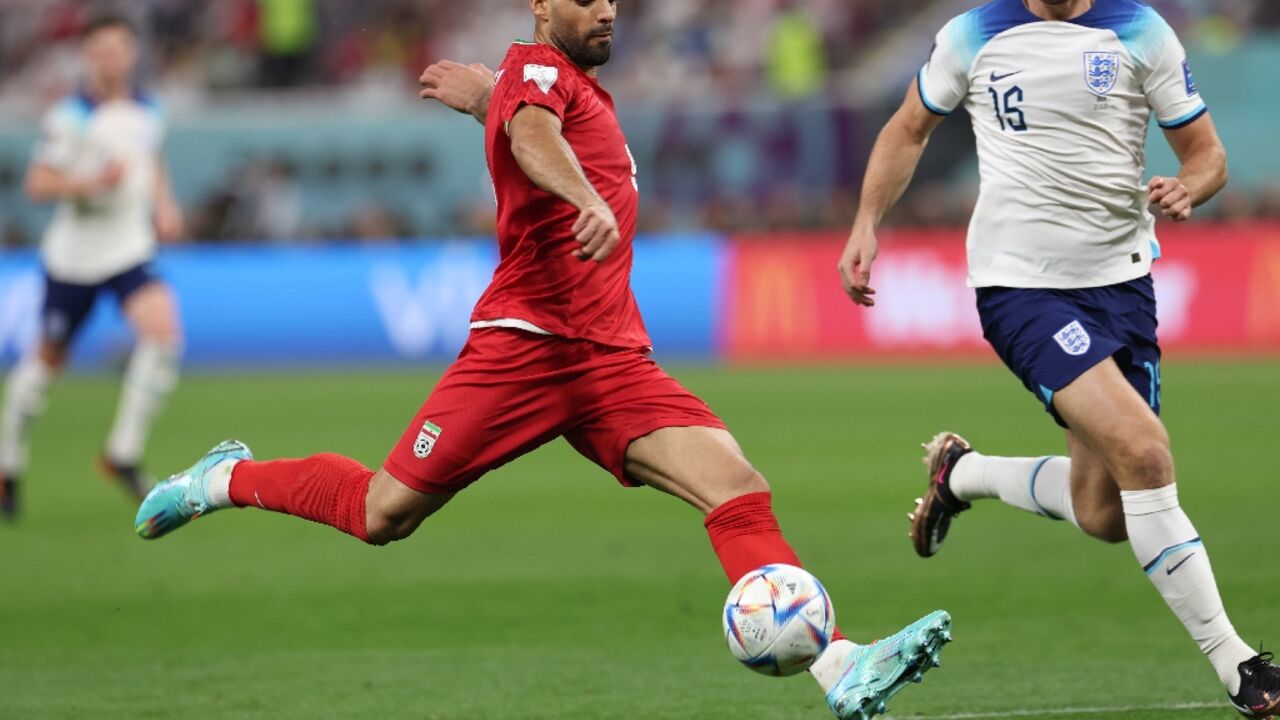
327	488
745	535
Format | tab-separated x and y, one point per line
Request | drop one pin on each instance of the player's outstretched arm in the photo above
168	213
1203	173
465	88
545	156
46	183
893	162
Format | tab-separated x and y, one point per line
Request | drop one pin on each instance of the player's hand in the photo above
1172	196
597	232
107	180
170	224
465	88
855	266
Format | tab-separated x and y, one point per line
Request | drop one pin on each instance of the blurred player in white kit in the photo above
99	158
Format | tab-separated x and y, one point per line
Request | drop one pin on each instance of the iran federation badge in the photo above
426	441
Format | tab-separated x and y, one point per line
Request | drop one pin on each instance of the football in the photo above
778	620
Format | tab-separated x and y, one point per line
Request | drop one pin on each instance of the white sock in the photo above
1037	485
1170	551
830	664
218	484
151	376
24	401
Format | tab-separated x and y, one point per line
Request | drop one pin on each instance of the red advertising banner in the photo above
1217	288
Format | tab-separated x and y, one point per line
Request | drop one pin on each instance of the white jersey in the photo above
91	240
1060	111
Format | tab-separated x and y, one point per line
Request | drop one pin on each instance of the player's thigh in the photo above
1109	418
645	428
152	312
704	466
66	307
1095	496
502	398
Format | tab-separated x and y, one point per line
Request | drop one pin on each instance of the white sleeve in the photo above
1169	86
944	80
59	141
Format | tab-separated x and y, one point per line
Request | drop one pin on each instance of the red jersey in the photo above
539	280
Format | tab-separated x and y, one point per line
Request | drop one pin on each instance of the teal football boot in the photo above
875	673
185	496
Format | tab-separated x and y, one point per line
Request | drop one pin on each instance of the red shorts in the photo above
512	391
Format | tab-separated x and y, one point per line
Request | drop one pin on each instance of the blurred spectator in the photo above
287	32
257	202
734	100
796	56
377	223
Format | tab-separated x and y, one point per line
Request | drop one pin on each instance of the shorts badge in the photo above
426	441
1073	339
1101	69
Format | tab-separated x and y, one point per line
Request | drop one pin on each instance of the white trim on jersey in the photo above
512	323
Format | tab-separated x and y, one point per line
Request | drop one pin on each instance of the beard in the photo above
581	50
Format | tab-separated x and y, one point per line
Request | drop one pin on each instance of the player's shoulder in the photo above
71	112
1138	26
531	53
966	34
148	101
541	64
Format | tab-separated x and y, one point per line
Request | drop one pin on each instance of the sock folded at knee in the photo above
1171	553
150	378
1037	485
745	534
24	401
329	489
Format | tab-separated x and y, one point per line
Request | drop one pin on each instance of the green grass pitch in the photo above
546	591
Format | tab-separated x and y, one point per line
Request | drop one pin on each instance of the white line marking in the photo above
1044	712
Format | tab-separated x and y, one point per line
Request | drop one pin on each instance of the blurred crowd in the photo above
723	52
713	47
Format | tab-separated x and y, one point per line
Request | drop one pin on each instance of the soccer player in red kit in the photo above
557	348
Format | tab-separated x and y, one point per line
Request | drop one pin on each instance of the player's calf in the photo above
1103	520
1095	497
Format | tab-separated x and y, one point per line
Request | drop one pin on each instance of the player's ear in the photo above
540	9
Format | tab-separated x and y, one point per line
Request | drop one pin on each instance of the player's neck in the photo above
1069	10
105	91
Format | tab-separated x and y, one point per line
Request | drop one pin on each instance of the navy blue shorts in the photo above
67	305
1048	338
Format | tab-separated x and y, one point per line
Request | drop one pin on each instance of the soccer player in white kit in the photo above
1060	246
100	159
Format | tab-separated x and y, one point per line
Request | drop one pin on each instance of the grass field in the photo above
545	591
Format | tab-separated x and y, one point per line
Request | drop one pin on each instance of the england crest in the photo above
1101	70
426	441
1073	339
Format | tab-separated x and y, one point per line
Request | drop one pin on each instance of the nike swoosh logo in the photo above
1172	570
998	78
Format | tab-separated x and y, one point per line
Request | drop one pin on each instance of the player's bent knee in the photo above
393	510
747	480
383	529
1144	465
53	355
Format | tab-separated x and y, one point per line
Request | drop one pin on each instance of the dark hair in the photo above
107	21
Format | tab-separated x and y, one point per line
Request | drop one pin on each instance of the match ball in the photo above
778	620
